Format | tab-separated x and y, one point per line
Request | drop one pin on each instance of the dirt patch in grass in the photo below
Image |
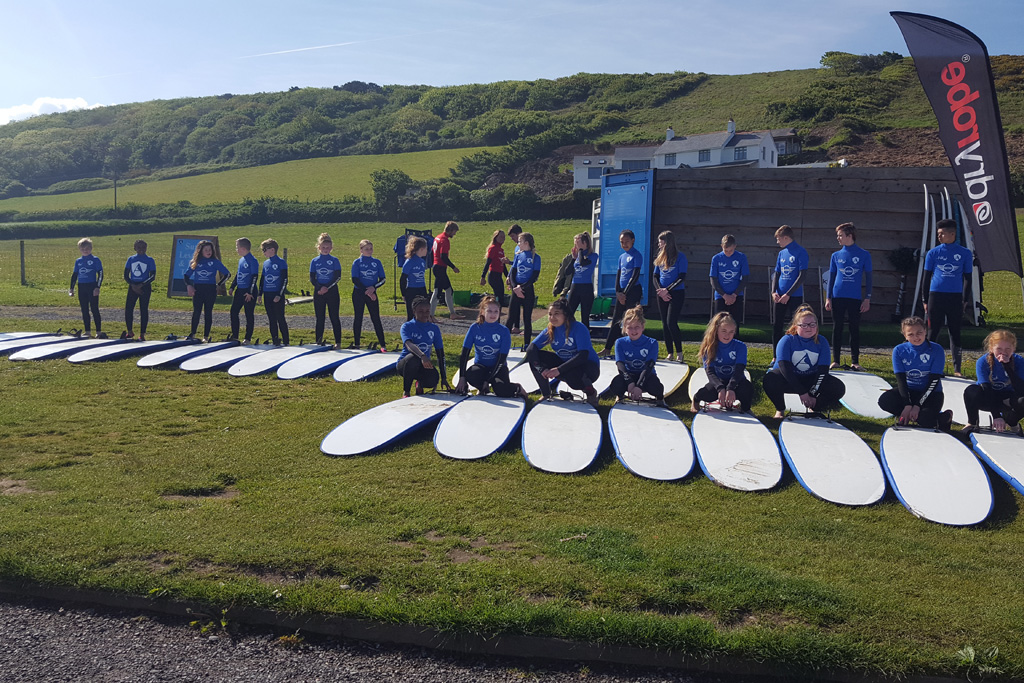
14	487
458	556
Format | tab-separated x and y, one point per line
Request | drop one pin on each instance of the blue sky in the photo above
58	54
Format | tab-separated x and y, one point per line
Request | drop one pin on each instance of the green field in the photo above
307	179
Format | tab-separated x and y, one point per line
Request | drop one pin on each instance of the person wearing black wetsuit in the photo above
139	273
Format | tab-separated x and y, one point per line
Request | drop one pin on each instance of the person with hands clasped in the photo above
572	358
849	268
324	275
724	359
581	288
728	269
1000	386
88	275
205	273
367	277
139	273
490	342
787	280
413	281
947	269
801	367
419	338
244	290
635	356
669	285
628	288
273	283
522	275
918	365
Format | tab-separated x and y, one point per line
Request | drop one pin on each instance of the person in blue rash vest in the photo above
273	282
324	274
490	341
670	286
419	338
139	273
724	359
801	367
947	269
728	269
849	269
367	277
413	282
522	275
918	365
787	279
584	264
572	358
1000	386
244	290
88	274
628	288
202	282
635	356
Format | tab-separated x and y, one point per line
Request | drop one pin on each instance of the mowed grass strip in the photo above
213	488
305	179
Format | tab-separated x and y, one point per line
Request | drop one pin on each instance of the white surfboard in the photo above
511	360
478	426
8	336
523	375
650	442
128	349
953	397
223	359
317	363
936	477
672	375
272	360
831	462
736	451
1004	453
862	392
180	354
377	427
365	367
10	346
699	380
562	436
61	349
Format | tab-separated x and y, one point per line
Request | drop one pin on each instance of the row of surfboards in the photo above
932	474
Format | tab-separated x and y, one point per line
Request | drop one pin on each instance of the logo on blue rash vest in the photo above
84	271
848	272
204	273
792	259
496	338
139	269
728	275
926	358
856	259
488	351
947	269
732	355
369	274
324	272
916	374
271	279
643	352
805	360
956	256
430	335
786	271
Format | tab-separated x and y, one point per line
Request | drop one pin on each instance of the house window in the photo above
704	155
594	173
781	147
636	165
739	153
670	159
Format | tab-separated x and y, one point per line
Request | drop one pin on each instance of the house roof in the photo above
693	143
744	139
629	153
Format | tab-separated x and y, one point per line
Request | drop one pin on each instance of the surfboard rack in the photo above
827	416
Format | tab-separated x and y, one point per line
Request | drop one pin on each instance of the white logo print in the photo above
324	272
848	272
804	361
430	335
856	259
271	280
139	269
496	338
735	264
947	269
956	256
786	271
926	358
792	259
728	275
732	355
204	273
643	352
368	274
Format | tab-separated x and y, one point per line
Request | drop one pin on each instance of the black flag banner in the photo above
953	66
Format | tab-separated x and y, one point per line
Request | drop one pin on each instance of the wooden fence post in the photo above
23	282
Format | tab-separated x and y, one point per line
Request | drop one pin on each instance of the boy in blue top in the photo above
635	356
848	270
413	281
728	270
1000	386
367	277
787	280
491	342
202	280
947	269
522	275
273	282
628	288
801	367
572	358
670	286
139	273
918	365
88	274
419	337
324	274
724	359
244	290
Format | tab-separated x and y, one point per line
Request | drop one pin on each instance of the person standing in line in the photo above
581	288
324	275
918	365
787	280
729	268
849	268
367	277
947	269
273	283
495	268
88	274
244	290
523	274
139	273
628	289
669	278
442	262
413	281
202	281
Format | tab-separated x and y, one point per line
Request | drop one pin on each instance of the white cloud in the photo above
43	105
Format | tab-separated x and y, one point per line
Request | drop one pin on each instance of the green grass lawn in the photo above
306	179
213	488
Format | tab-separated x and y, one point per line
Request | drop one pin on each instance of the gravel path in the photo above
44	641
